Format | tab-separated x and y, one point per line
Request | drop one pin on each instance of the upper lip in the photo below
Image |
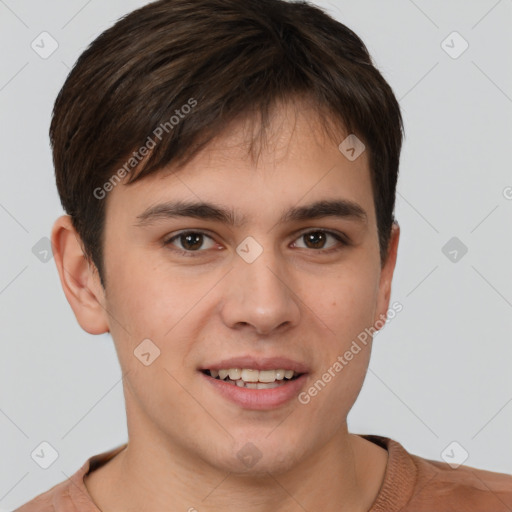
258	363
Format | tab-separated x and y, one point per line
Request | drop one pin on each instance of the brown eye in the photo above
190	241
317	239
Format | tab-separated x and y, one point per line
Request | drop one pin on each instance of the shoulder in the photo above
67	496
71	495
416	484
461	488
47	501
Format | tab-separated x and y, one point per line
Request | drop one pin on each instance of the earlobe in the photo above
386	276
79	281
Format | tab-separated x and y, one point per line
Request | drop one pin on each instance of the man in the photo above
229	169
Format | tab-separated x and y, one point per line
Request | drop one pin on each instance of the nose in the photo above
260	295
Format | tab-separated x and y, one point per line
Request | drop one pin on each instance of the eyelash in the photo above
340	238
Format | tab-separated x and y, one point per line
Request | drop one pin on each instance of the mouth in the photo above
254	389
250	378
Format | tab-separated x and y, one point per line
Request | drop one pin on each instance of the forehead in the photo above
293	124
295	160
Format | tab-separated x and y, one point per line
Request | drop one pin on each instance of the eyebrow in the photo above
339	208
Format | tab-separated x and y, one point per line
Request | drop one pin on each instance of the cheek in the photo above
347	302
145	299
146	303
349	308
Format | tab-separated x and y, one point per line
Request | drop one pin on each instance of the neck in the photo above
154	474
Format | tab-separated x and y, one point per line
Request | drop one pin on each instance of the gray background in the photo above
440	371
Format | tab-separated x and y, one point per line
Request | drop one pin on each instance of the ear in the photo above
386	276
79	278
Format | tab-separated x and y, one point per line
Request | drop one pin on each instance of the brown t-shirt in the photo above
411	484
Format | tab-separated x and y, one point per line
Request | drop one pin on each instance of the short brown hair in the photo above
226	58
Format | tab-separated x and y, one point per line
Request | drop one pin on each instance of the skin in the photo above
292	300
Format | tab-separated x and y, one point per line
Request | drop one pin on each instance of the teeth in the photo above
235	373
280	374
250	376
267	375
261	385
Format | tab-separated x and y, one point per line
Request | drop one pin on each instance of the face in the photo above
268	291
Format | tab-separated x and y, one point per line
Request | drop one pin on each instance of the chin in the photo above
261	454
268	464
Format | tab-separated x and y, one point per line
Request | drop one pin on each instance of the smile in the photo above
253	379
255	389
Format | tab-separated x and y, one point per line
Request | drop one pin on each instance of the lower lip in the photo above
258	399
